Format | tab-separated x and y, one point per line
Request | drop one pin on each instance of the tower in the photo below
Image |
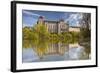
40	20
60	25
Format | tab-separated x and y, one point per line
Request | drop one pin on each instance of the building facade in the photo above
57	26
75	29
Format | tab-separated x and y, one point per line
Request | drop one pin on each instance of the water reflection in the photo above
53	51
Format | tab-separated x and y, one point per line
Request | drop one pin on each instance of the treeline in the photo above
40	32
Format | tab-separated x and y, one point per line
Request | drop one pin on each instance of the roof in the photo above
74	26
52	21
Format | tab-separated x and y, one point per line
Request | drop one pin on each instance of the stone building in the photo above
54	26
75	29
57	26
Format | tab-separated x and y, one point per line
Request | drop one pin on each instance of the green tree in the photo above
41	31
26	33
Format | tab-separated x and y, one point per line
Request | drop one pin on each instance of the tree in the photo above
26	33
85	23
41	31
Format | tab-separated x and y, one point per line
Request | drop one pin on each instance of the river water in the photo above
54	52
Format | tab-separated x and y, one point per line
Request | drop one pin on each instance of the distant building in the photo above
75	29
57	26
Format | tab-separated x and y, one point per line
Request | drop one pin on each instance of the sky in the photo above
30	17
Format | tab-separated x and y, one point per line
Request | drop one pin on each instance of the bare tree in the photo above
86	21
85	24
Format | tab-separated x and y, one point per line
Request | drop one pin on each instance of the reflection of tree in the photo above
44	48
27	44
87	50
40	48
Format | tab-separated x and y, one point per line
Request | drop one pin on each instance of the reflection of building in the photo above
56	52
58	48
73	45
57	26
52	49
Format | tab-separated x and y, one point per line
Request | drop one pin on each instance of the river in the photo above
42	52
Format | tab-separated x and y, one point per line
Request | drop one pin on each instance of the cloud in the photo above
73	16
74	19
27	25
31	13
77	23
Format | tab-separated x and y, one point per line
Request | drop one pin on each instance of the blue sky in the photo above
30	17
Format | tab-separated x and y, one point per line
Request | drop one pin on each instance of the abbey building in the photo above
57	26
